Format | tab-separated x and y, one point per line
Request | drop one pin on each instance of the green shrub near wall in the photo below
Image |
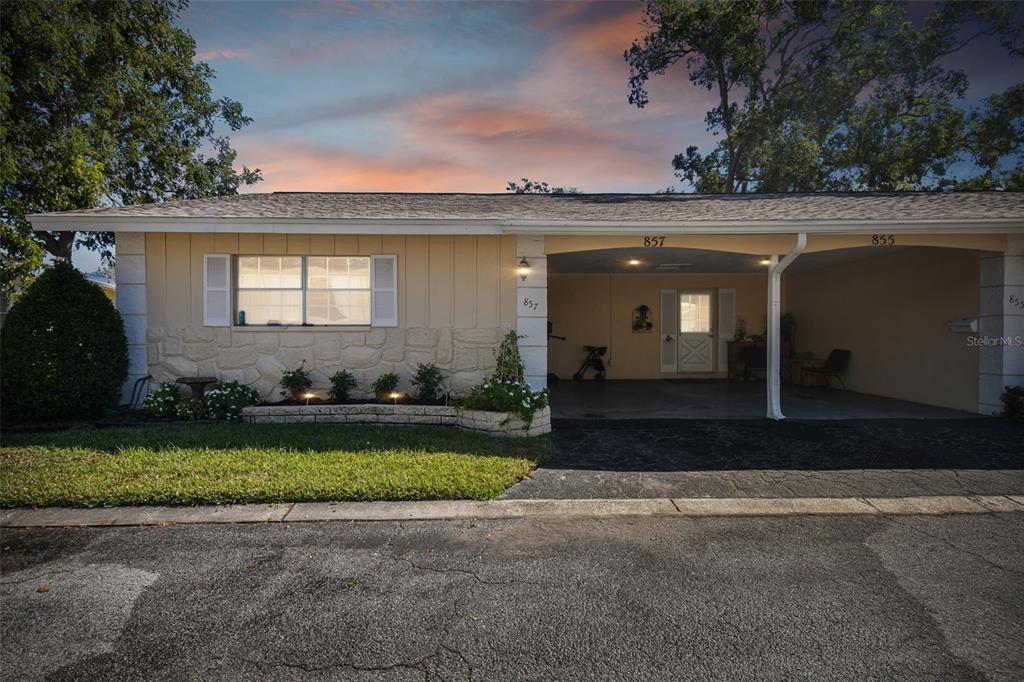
63	351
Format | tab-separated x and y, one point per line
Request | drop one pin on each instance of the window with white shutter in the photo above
384	275
216	290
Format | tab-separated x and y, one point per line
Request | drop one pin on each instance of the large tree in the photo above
102	102
841	95
528	186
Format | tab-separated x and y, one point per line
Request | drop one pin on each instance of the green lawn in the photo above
233	463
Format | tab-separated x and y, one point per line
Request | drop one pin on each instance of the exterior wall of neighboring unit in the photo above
892	312
456	295
597	310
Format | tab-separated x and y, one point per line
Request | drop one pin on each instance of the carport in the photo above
907	305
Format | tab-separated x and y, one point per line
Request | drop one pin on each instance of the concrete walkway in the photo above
506	509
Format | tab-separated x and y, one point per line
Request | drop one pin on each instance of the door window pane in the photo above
694	313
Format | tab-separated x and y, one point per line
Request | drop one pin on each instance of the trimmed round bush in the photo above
63	352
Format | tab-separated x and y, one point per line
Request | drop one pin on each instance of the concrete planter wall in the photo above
493	423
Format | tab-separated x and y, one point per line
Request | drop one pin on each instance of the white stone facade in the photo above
258	357
130	276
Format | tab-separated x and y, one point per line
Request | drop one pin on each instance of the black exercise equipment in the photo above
592	361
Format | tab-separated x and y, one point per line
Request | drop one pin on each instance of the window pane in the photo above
338	307
338	272
271	307
694	313
270	272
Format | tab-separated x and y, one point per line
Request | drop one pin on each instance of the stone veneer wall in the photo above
258	357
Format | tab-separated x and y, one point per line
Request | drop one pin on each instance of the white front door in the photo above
696	332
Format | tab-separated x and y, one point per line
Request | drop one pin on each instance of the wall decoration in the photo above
642	323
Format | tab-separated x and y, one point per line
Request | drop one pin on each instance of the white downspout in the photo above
774	304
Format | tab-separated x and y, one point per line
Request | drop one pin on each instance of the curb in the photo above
301	512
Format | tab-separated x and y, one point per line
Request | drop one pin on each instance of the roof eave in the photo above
57	222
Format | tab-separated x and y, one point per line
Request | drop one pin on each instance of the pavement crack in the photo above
980	557
463	571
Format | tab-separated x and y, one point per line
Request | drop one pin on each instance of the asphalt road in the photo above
646	598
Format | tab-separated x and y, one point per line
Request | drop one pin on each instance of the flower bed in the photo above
493	423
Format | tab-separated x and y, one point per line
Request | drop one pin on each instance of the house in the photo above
924	289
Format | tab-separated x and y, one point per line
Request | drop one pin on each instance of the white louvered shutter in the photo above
384	299
726	325
669	329
216	290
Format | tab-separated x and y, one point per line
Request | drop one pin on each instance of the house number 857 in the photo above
654	241
530	303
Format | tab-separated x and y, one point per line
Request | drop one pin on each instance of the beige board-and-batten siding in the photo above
456	296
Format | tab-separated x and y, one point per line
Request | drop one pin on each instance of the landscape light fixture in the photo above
395	395
308	395
524	268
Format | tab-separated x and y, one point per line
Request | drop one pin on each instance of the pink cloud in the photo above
220	54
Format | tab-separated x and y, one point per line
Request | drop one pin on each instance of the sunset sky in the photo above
457	96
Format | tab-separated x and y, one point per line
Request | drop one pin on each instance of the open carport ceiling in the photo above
697	260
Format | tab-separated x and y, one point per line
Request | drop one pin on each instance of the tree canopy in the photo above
103	103
528	186
841	95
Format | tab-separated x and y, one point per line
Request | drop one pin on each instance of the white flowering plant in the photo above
163	402
506	395
226	400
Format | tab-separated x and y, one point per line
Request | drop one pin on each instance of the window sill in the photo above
299	327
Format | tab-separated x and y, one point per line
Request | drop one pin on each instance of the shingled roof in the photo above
910	206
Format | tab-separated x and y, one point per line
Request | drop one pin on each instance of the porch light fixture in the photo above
523	269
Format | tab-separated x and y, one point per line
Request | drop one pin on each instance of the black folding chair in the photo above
835	366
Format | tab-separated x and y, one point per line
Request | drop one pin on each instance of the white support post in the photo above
775	269
130	275
1001	324
532	309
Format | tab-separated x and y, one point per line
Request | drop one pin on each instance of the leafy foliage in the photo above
63	351
226	400
295	381
428	381
385	383
497	395
1013	403
103	103
163	401
531	187
342	383
842	95
508	361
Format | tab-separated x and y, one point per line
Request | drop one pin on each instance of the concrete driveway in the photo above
822	598
762	458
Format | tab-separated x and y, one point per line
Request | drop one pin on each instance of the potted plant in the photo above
296	382
385	387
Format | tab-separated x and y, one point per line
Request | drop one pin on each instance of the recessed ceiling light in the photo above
633	261
765	261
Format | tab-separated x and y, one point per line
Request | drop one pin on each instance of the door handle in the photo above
668	337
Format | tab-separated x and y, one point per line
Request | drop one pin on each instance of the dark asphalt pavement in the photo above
762	458
822	598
